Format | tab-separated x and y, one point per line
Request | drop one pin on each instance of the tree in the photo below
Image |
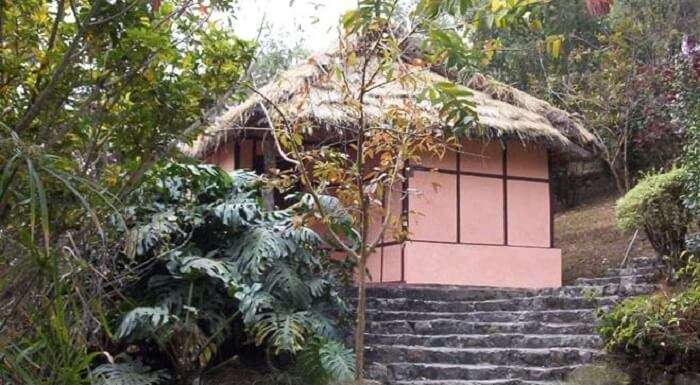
93	93
616	69
365	165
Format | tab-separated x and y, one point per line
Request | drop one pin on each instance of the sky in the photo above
314	22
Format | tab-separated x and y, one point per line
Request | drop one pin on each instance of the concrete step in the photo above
584	315
480	356
514	304
495	340
428	371
451	326
622	280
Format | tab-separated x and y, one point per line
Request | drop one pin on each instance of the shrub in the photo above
659	332
656	206
217	275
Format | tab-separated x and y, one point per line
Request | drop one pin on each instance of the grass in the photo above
591	242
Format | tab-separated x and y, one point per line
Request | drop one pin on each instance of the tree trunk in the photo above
269	162
360	320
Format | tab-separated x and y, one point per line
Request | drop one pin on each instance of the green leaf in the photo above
38	187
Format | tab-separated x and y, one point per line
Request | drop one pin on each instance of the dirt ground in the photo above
590	240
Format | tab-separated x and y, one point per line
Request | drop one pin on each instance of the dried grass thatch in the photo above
312	92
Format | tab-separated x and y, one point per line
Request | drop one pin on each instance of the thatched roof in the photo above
312	92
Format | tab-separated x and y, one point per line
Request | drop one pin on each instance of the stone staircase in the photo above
487	336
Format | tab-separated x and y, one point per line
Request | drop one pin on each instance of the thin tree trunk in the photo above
269	162
360	321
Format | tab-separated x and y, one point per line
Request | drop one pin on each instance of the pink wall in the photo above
467	224
527	161
391	263
528	213
464	231
433	209
481	210
481	157
225	156
479	265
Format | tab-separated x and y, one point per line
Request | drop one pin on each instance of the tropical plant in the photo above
129	372
92	94
215	268
656	206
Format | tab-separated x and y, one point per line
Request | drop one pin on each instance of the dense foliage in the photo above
692	158
658	332
656	206
93	93
624	70
214	271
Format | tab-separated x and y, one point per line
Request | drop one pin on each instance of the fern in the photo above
127	373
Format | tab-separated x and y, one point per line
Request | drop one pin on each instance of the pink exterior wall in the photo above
481	210
481	157
527	161
225	156
528	213
479	265
473	219
431	216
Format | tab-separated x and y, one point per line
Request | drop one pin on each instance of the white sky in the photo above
318	20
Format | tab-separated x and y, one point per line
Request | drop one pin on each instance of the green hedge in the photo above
656	206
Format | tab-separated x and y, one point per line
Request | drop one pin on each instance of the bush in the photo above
217	276
659	332
656	206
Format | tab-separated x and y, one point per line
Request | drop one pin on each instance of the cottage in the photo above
480	216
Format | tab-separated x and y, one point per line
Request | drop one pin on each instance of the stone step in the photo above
622	280
479	356
495	340
644	262
618	271
607	290
451	326
514	304
427	371
445	293
585	315
487	382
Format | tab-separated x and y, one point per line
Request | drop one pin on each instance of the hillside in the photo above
590	240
